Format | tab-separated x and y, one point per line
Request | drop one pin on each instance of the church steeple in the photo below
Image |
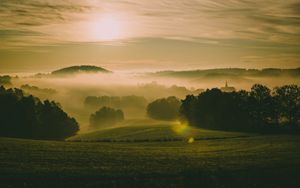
227	88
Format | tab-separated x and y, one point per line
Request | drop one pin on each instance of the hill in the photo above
80	69
145	130
230	72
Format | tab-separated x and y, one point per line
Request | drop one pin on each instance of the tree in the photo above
257	110
214	109
164	109
5	80
262	104
187	108
56	123
288	103
106	116
28	117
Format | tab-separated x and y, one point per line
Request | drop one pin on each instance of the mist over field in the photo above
71	90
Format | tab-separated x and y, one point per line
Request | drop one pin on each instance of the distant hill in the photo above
38	91
230	72
80	69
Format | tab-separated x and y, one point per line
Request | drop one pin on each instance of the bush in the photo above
28	117
106	116
164	109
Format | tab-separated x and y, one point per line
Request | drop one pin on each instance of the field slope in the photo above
214	161
145	130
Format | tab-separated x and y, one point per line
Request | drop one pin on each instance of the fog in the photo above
72	90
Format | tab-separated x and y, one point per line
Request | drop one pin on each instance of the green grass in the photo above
253	161
150	130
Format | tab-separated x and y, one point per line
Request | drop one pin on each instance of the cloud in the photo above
277	60
16	13
44	22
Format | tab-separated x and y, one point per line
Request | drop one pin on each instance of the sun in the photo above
109	28
106	28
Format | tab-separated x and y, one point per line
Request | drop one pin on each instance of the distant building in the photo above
227	88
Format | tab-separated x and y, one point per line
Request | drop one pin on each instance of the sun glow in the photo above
106	28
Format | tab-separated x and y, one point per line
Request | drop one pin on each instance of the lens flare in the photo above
190	140
181	128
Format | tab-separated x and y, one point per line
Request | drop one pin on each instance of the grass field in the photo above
218	159
143	130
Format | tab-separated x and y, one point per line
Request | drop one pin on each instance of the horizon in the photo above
49	71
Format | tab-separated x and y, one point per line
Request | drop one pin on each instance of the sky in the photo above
43	35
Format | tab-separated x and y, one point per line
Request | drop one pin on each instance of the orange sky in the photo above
41	35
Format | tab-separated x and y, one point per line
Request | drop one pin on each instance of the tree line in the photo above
131	101
260	109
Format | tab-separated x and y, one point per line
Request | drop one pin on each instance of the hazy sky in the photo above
42	35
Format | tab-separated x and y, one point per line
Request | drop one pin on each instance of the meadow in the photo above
114	158
148	130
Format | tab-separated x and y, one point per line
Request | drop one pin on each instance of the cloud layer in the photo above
268	25
47	22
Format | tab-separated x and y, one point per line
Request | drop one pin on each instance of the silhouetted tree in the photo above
164	109
287	100
56	121
262	104
257	110
106	116
188	108
215	109
27	117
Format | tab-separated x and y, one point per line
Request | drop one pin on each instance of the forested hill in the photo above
268	72
80	69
